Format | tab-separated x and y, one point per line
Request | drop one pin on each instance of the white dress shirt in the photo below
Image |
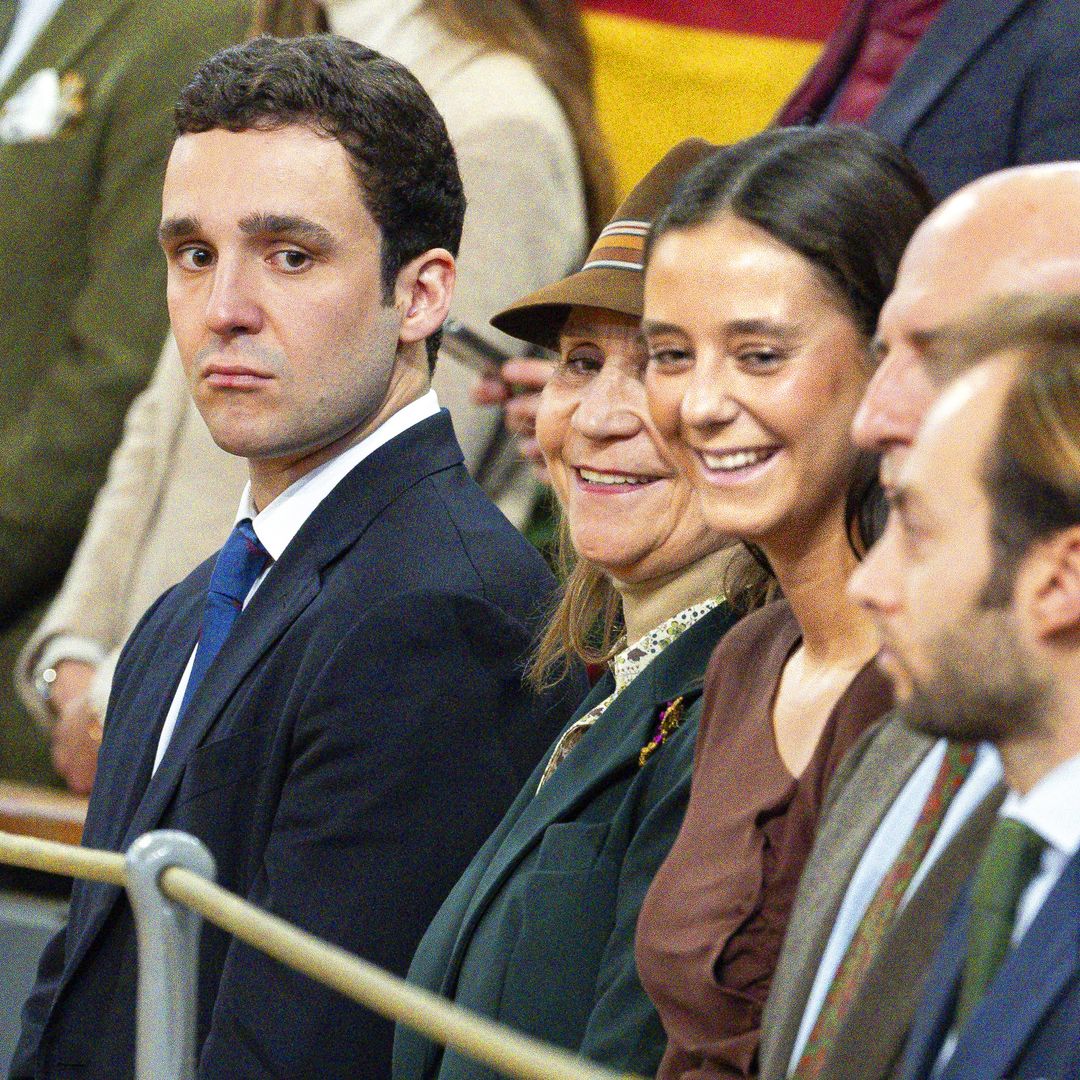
882	851
33	16
278	523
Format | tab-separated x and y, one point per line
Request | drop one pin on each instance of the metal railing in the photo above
168	876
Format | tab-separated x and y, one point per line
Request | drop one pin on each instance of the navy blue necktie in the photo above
238	566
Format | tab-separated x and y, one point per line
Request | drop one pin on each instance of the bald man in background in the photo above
907	816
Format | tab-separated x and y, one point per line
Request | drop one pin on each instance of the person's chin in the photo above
939	717
889	664
913	711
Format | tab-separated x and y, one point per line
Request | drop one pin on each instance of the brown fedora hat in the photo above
611	277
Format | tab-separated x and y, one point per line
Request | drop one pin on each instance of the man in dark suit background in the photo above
976	589
963	87
363	724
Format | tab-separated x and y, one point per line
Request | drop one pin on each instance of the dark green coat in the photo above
82	287
539	931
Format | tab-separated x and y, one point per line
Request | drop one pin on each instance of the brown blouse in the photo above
712	922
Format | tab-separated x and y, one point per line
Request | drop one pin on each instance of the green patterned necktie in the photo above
882	909
1009	863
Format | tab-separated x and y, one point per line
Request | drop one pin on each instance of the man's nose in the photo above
871	584
232	307
898	397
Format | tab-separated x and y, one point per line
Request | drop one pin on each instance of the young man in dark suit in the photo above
335	705
976	589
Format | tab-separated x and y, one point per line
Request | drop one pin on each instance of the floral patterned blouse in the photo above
626	665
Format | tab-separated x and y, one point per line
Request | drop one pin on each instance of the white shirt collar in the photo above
1051	807
278	523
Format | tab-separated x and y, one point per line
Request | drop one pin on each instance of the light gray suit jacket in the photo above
871	1037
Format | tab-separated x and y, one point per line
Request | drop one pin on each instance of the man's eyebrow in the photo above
177	228
288	225
923	340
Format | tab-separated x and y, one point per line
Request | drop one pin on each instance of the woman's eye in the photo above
665	356
759	359
581	363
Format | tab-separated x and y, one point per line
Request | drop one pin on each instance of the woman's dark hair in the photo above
847	201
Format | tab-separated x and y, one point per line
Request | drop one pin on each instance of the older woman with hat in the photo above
539	931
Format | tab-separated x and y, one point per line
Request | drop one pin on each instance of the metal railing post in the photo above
168	937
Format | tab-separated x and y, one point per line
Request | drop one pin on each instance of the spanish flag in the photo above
668	69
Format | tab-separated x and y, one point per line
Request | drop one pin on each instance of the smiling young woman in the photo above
763	282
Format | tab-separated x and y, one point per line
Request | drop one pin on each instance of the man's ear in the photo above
1054	585
422	294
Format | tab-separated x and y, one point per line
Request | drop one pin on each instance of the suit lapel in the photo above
844	834
130	740
1029	982
63	40
291	585
611	745
143	721
955	37
253	635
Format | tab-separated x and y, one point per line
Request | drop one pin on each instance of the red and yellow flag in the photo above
667	69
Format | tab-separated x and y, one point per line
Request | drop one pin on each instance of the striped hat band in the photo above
621	246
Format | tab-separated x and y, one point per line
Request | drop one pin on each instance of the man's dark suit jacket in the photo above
992	83
1027	1026
359	735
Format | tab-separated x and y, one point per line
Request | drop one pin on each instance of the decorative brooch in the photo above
42	107
670	718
